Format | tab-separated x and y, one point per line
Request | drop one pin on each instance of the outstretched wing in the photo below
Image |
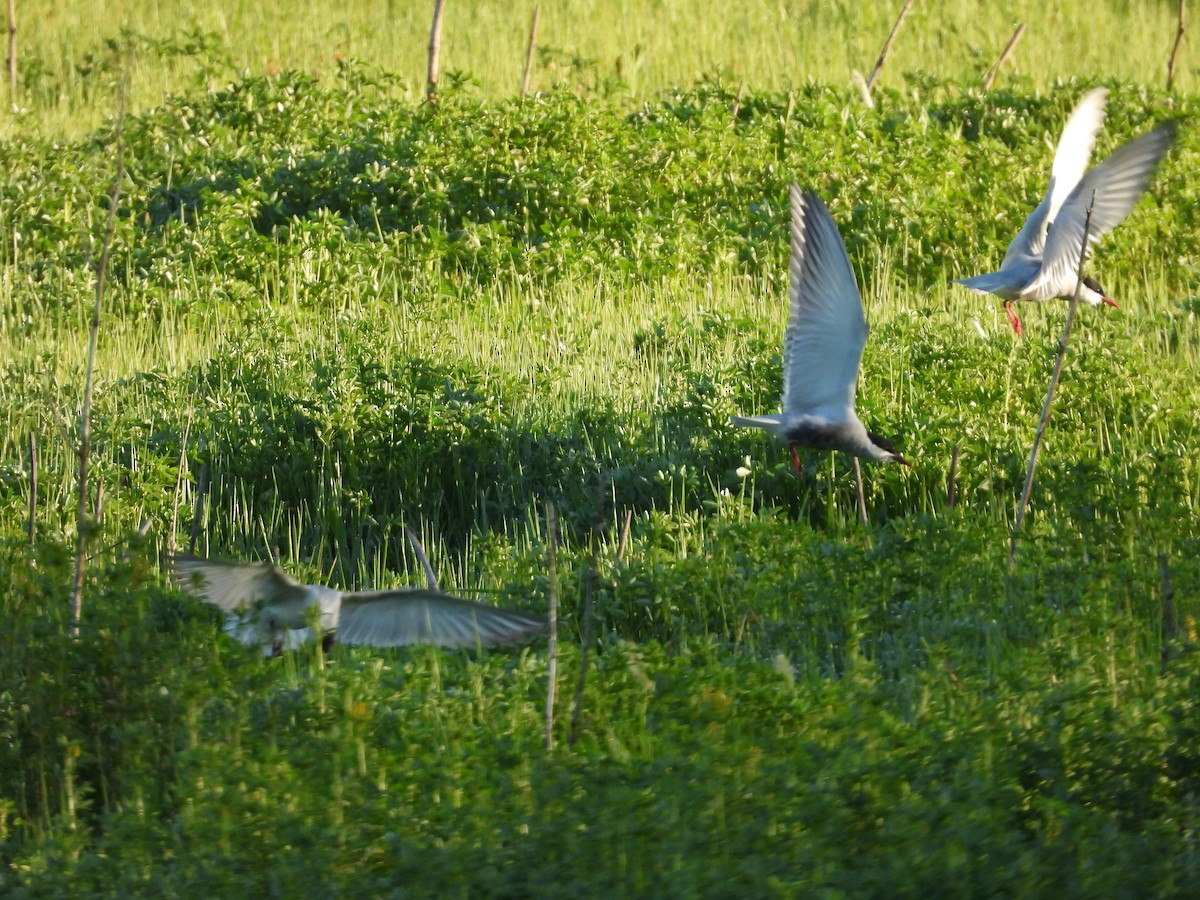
236	585
1070	162
416	616
826	328
1117	183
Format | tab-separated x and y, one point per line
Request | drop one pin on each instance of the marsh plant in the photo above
343	313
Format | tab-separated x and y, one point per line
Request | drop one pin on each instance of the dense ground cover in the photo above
350	312
70	54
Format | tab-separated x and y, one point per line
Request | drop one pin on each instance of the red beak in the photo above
1110	302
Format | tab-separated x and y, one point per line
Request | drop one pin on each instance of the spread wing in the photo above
1070	162
1118	184
415	616
826	328
236	585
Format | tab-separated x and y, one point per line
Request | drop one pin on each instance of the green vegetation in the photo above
70	52
348	312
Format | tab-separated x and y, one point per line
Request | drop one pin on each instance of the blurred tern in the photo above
267	606
1043	259
822	346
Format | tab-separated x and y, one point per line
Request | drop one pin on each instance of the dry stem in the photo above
86	411
1008	51
537	11
952	479
435	49
862	498
552	653
430	579
32	488
1175	48
12	52
1045	417
887	47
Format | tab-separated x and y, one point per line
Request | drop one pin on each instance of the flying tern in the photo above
1043	259
266	606
822	346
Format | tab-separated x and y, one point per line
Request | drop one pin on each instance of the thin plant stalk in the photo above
952	479
33	487
737	103
187	428
1045	417
435	50
589	589
624	543
12	52
86	411
533	26
1011	46
862	498
552	651
198	510
430	579
1170	627
887	47
864	92
1179	30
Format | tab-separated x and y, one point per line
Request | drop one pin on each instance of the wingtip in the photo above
180	566
802	197
1169	129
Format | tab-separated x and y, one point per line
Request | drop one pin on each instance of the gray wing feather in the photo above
400	617
235	585
1118	183
826	328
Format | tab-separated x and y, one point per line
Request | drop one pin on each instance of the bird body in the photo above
822	346
818	433
265	605
1042	261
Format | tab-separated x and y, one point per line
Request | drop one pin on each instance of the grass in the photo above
353	313
69	54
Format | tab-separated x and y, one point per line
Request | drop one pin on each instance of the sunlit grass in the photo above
69	76
424	328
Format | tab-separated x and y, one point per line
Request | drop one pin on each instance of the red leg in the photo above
796	461
1012	317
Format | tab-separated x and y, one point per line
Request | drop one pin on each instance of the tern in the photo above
1042	260
822	346
267	606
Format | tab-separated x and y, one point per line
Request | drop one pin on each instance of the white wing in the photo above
826	328
399	617
1118	183
236	585
1070	162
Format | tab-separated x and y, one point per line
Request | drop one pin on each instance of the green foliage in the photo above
390	199
346	314
72	63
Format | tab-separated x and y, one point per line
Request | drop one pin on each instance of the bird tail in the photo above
991	283
766	423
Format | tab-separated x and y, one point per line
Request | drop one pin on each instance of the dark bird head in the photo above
1099	295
